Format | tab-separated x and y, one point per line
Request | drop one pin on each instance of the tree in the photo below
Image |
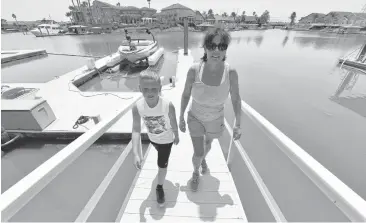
69	15
118	4
224	14
243	16
210	12
293	17
264	17
91	12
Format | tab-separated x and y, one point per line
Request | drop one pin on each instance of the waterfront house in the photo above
105	13
176	13
312	18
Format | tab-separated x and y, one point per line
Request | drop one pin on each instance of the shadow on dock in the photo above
156	212
207	201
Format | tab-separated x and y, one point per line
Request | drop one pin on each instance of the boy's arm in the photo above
136	132
173	119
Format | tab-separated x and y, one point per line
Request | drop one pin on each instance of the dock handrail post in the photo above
185	36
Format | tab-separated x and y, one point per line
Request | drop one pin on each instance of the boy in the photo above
159	117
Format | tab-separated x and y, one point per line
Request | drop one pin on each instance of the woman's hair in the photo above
211	34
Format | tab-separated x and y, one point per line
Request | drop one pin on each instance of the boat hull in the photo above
44	32
139	54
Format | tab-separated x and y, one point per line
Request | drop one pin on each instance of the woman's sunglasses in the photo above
220	46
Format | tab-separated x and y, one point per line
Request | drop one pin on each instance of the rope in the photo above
74	55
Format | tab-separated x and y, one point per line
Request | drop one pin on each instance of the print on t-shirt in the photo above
155	124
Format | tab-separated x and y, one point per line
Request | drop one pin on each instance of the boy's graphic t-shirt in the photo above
156	120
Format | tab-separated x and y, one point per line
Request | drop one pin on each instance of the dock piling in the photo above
185	36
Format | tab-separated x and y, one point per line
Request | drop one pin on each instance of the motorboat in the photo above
78	30
47	30
137	49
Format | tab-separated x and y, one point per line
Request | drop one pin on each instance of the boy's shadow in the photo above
171	194
207	197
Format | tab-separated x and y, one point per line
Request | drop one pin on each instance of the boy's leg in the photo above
163	158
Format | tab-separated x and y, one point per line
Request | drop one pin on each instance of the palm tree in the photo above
68	15
243	17
149	2
233	14
91	12
293	17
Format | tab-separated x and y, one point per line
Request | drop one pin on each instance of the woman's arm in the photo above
186	95
235	95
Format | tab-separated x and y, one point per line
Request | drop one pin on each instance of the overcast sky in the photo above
28	10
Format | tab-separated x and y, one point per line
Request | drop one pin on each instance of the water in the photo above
289	77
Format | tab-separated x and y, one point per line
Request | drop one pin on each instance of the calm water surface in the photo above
289	77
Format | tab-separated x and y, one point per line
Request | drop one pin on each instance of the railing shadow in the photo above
207	203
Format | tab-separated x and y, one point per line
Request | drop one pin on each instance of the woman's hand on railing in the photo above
236	132
182	124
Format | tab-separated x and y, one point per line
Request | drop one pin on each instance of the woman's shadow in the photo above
157	213
207	197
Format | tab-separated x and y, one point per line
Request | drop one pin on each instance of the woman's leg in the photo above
198	153
208	142
198	146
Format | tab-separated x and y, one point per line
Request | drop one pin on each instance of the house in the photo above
250	19
312	18
199	18
103	13
336	18
213	19
176	13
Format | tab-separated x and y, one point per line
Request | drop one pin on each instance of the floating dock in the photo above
13	55
216	199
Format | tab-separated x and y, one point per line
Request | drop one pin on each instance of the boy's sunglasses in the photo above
220	46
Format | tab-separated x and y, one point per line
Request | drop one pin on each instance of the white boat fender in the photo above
90	64
154	58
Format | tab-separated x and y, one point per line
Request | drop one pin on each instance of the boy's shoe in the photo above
160	196
195	180
204	167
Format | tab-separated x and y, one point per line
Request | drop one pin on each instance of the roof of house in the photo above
175	6
148	9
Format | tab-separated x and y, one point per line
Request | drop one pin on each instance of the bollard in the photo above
185	36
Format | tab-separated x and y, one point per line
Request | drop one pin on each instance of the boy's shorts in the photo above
163	153
212	129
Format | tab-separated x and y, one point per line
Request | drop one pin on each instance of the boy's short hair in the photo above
149	75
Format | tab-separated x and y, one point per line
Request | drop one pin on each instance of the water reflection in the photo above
327	41
258	40
284	42
356	103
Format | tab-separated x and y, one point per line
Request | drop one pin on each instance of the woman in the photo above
209	83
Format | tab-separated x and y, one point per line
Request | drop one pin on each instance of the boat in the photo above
136	49
355	60
47	30
78	30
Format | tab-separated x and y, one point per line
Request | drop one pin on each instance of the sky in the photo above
30	10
